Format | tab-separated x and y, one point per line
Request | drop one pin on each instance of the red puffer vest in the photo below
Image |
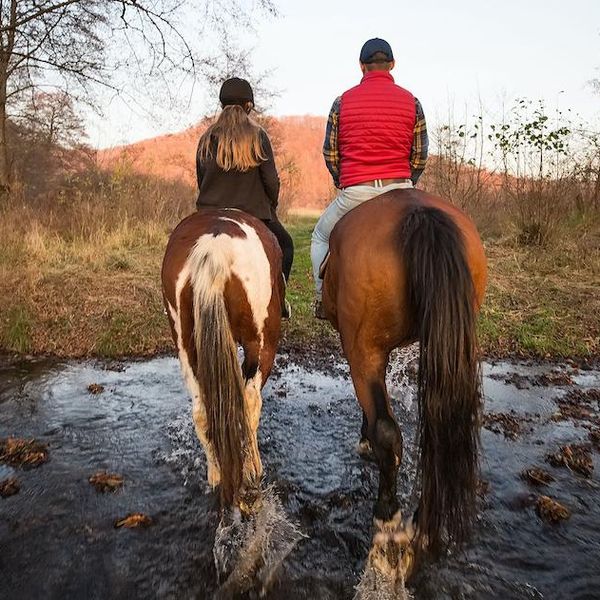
376	127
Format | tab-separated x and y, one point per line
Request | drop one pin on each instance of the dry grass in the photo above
82	277
79	276
544	300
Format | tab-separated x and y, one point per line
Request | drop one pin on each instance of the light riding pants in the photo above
345	201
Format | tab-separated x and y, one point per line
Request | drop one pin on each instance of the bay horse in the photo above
403	267
222	286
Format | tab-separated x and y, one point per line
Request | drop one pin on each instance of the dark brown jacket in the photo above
254	191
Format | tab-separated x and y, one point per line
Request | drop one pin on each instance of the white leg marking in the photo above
253	399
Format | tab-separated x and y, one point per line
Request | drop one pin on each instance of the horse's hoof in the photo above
390	563
392	552
365	451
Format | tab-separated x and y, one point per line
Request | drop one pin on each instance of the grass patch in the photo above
16	331
303	327
134	332
541	302
116	262
114	337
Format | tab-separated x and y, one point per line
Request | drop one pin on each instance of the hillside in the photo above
297	142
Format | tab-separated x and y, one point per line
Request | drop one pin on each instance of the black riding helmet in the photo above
236	91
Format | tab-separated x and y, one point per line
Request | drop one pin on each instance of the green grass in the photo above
116	262
303	327
125	333
16	330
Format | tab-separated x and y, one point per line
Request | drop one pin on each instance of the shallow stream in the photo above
57	535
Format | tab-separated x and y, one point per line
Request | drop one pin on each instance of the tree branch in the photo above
14	24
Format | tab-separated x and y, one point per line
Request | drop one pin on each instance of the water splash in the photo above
249	551
401	368
185	455
375	585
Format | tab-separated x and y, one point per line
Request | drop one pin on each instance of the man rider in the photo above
375	141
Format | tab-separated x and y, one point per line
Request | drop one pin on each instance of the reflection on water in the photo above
57	538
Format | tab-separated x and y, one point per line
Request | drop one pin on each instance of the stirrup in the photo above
319	311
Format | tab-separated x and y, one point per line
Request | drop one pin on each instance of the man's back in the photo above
377	119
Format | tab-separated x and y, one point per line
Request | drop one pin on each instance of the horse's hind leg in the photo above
367	368
253	400
388	554
258	361
364	448
200	425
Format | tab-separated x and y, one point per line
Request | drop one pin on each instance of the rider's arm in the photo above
268	172
330	146
420	147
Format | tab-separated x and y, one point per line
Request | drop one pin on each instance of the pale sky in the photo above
447	52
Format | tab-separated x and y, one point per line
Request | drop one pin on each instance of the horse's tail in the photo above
442	298
217	367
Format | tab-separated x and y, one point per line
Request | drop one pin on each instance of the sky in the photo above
450	54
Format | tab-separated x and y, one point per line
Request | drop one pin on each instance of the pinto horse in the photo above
222	286
407	266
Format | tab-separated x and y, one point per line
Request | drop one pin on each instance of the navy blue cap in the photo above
371	47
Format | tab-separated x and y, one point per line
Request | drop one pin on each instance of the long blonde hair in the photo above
238	140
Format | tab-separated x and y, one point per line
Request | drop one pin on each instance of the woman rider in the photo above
236	169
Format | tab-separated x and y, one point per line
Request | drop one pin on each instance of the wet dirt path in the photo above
57	534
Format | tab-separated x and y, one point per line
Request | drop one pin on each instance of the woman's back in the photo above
235	166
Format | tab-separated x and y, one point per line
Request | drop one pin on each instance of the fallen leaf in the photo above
134	520
537	476
9	487
576	457
106	482
95	388
22	453
550	510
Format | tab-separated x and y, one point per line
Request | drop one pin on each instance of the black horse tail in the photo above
442	299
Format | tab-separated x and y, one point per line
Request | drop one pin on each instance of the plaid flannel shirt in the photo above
418	153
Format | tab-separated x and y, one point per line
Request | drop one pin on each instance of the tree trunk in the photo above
7	43
5	175
596	194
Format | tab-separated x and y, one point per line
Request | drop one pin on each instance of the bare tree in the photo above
50	118
46	143
79	46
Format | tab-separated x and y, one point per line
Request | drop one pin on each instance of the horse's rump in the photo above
407	266
222	287
249	277
366	259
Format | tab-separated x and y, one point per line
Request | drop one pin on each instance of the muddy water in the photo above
57	538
